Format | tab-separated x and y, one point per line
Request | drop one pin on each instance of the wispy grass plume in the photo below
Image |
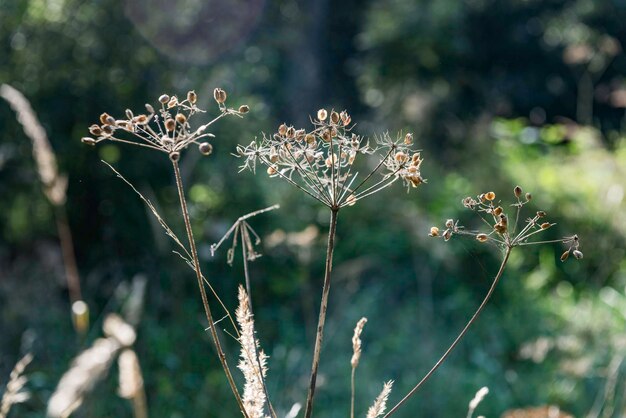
14	393
380	404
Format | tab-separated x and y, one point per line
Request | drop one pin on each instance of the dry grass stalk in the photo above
89	367
354	361
476	400
252	360
131	382
14	393
538	412
380	404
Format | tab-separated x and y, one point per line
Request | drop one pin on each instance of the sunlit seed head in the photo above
309	138
517	191
291	132
345	118
192	97
434	231
205	148
529	196
416	180
326	135
164	98
565	255
578	254
545	225
170	125
541	214
482	237
141	119
322	114
244	109
180	118
175	156
219	95
88	141
128	113
107	130
408	139
173	102
490	196
95	130
334	117
449	223
351	200
497	211
282	130
400	157
103	118
447	235
271	170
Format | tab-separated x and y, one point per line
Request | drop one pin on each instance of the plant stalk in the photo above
205	302
323	307
459	337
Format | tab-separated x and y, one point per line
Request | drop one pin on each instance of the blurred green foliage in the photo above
500	93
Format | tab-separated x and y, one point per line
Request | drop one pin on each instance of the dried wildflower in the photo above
219	95
243	109
167	130
380	404
501	232
321	161
205	148
434	231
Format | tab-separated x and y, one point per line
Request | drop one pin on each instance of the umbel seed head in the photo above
205	148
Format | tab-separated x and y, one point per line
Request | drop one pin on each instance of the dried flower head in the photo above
356	342
167	130
380	404
500	232
321	161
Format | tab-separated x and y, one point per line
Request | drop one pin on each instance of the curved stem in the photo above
205	301
459	337
322	318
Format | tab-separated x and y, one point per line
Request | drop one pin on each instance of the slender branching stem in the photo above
322	317
205	301
456	341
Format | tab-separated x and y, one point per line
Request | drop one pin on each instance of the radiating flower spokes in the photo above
499	231
167	129
321	161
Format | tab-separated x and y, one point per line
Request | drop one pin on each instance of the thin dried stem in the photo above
456	341
322	316
205	302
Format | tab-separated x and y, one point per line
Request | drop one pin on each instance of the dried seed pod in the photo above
490	196
95	130
326	135
565	255
164	98
282	130
447	235
167	141
497	211
351	200
345	118
149	108
310	139
173	102
141	119
450	223
205	148
434	232
192	97
322	114
271	170
408	139
546	225
517	191
244	109
170	125
334	117
103	118
174	156
482	237
529	196
219	95
400	157
180	118
541	214
88	141
129	113
291	132
578	254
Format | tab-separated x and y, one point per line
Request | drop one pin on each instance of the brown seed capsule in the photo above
334	117
482	237
345	118
449	223
497	211
416	180
164	98
400	157
140	119
271	170
174	156
173	102
244	109
529	196
545	225
107	130
103	118
170	125
95	130
326	135
180	118
282	130
299	135
219	95
490	195
565	255
129	113
291	132
322	114
205	148
192	97
541	214
408	139
88	141
517	191
578	254
434	232
447	235
309	138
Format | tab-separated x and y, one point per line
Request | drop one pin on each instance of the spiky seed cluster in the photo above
167	129
500	231
356	342
321	161
380	404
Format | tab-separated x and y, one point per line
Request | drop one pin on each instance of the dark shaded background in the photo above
498	93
